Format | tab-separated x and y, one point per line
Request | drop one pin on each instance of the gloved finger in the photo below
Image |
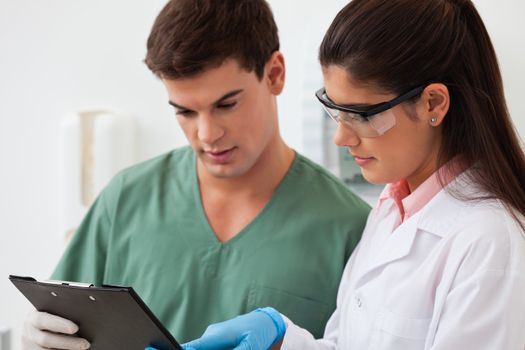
49	340
29	345
57	324
246	345
208	343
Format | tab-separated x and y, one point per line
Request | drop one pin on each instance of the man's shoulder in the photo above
319	176
178	159
316	169
324	186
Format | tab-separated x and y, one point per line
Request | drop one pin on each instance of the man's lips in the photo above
217	152
220	156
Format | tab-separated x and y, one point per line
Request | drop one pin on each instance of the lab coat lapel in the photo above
398	244
387	245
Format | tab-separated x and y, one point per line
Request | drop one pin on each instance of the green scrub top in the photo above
148	230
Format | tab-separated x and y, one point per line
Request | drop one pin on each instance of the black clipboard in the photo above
109	317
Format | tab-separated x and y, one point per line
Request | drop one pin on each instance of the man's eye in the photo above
184	113
227	105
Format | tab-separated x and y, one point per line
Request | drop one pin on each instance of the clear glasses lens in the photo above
373	126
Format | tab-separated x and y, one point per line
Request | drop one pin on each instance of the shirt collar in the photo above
410	203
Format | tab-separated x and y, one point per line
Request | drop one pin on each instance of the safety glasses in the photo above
371	121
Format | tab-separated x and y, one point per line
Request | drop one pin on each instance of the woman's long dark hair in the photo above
400	44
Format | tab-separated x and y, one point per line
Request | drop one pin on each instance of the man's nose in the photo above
209	130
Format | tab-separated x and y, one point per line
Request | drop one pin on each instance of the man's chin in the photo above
226	171
222	171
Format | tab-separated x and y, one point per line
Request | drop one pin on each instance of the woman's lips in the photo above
362	161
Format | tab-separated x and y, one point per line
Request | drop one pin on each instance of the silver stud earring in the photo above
433	120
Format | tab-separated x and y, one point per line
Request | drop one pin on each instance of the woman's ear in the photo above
275	72
435	100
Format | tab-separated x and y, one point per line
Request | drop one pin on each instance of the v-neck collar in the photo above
243	235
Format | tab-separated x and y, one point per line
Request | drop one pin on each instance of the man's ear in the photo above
435	103
275	72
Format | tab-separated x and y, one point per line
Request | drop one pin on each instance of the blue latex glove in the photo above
257	330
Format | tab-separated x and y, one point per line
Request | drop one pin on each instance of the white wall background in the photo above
58	56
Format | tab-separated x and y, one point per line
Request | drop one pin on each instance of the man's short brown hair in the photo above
190	36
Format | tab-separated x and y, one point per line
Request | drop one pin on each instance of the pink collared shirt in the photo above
409	203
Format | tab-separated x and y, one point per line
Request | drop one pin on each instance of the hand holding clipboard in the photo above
109	317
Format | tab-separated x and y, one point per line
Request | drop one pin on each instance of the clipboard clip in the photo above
72	284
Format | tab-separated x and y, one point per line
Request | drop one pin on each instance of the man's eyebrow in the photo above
224	97
228	95
177	106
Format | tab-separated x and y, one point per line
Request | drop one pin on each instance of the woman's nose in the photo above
345	136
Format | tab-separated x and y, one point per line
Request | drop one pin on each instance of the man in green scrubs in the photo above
235	221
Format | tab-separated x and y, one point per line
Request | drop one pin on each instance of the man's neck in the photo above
233	203
261	180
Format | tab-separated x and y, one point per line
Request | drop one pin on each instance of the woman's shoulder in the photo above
483	229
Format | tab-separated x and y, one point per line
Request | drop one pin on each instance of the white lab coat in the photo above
451	277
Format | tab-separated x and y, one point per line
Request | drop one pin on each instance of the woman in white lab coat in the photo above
441	264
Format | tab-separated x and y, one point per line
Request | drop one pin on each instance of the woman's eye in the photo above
226	105
355	117
361	119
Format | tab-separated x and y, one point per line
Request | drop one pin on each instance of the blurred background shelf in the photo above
5	338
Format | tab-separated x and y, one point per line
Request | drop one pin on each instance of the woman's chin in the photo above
375	178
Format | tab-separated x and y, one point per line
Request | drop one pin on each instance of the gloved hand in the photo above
257	330
46	331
